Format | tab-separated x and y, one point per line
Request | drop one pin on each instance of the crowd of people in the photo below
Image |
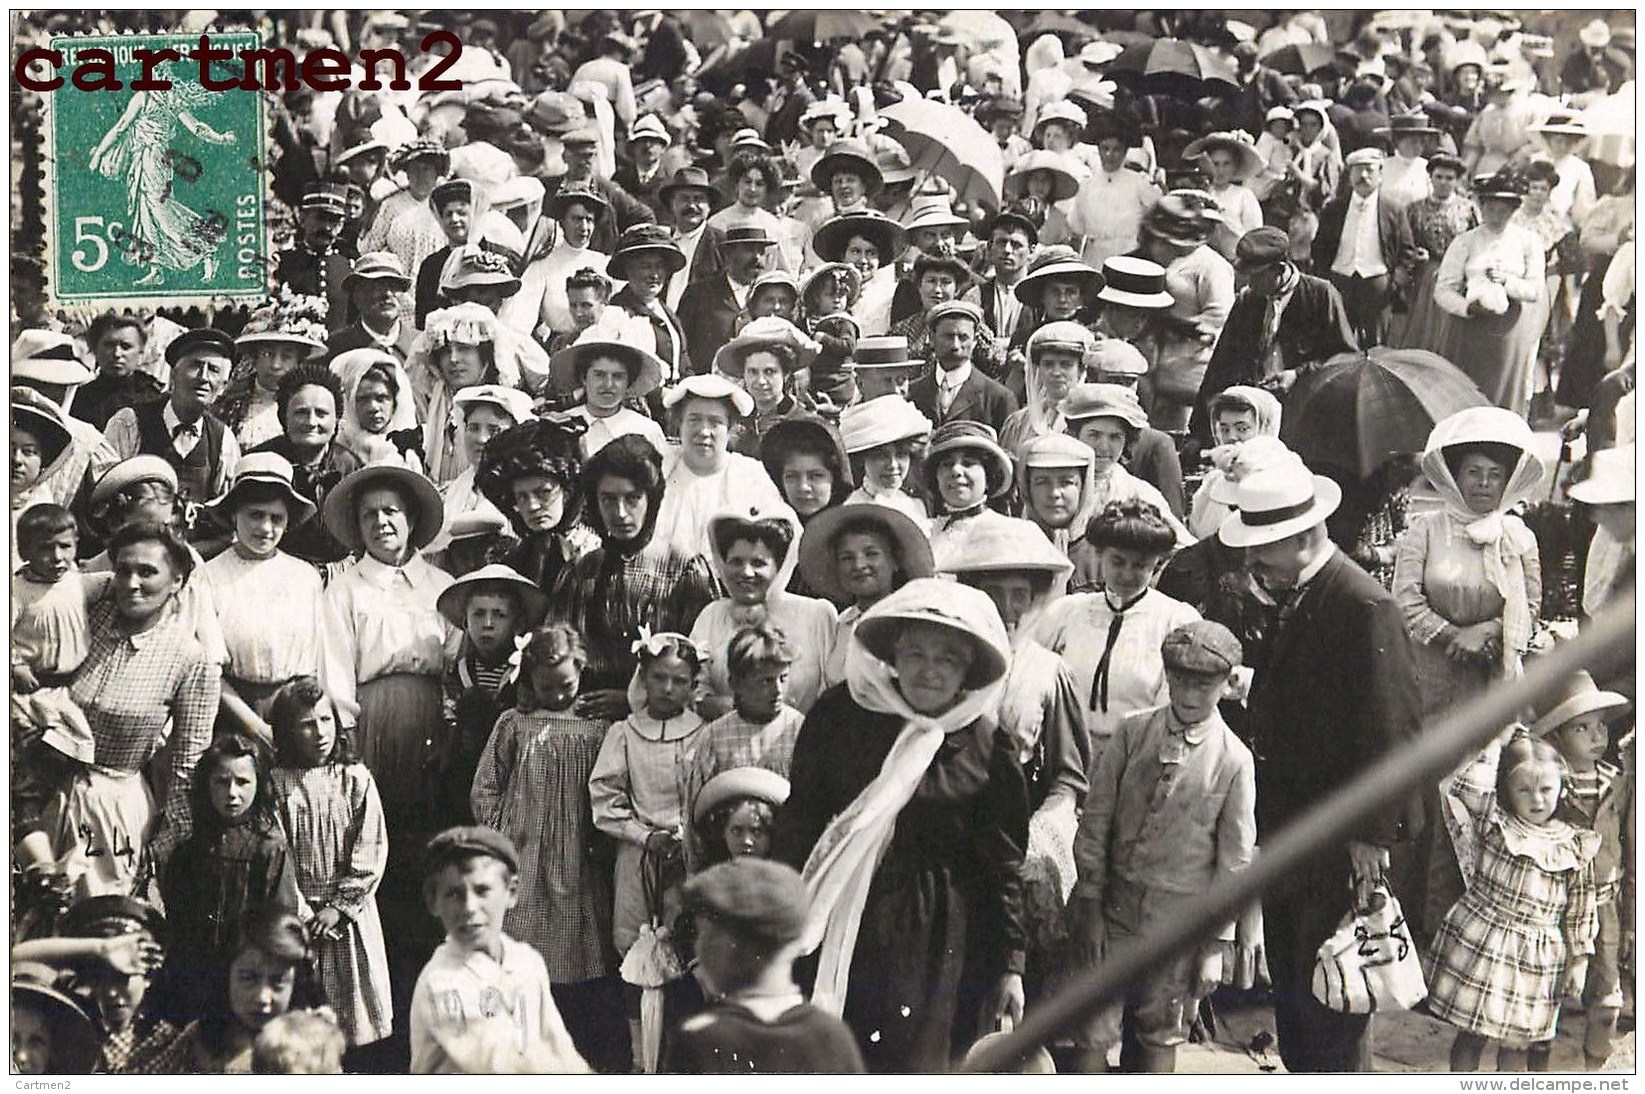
681	575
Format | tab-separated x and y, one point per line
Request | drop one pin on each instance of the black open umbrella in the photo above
1171	65
818	25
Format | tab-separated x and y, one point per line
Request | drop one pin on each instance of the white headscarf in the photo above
351	368
841	867
1500	535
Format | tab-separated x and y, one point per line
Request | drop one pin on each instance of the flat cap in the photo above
760	896
1202	647
205	340
1261	247
466	841
1363	155
950	308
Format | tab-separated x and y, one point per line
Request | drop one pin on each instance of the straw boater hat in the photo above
373	266
976	437
1058	262
884	419
555	207
261	468
747	235
645	239
1135	283
1610	478
1564	122
341	516
833	235
957	608
766	332
817	568
1065	186
649	128
1007	546
1414	124
1278	502
1579	695
883	351
709	386
738	782
48	357
852	154
453	603
1237	142
567	367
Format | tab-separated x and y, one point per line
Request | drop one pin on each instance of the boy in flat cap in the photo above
482	1005
1171	810
750	913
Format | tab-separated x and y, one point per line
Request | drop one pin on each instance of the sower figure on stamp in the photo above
164	234
1335	691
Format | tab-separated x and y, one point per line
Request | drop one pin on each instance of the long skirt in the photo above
1426	323
1498	352
103	822
398	715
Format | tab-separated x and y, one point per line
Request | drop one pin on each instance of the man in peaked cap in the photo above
318	261
1283	323
956	390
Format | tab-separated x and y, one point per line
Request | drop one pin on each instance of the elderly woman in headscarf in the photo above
379	412
1238	414
1023	574
909	815
755	549
531	473
1468	575
1057	356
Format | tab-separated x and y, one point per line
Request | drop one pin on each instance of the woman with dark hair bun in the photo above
309	402
631	580
1111	639
755	552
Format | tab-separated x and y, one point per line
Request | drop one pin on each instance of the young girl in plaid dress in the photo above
532	785
333	819
1519	939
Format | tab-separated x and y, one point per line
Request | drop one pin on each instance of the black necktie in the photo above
1099	683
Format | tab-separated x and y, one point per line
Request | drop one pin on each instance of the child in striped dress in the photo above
1519	939
333	820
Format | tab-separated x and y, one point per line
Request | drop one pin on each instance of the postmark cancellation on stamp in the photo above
154	196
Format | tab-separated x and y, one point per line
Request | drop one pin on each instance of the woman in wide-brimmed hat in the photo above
1023	574
531	473
1230	159
270	638
1405	171
1492	285
478	414
754	552
763	359
965	468
910	965
647	257
459	347
848	174
871	243
611	372
854	556
40	444
386	644
276	339
405	224
1108	418
884	438
1043	184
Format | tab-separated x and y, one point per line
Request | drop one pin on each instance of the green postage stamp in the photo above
153	196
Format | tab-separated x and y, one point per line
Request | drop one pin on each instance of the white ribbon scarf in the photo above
841	867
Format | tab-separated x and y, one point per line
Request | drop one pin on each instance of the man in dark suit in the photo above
373	288
956	390
1284	323
1364	246
709	306
1334	691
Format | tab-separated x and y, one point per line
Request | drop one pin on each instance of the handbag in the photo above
1371	963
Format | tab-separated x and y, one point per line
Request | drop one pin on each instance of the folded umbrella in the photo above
1357	409
945	141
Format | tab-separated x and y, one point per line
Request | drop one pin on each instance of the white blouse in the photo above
380	621
807	623
690	499
269	610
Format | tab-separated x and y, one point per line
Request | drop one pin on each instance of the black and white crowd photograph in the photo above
823	541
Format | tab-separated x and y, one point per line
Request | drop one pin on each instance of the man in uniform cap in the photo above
182	430
1284	322
318	261
1365	245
